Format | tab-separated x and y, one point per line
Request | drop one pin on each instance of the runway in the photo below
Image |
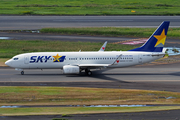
38	22
151	77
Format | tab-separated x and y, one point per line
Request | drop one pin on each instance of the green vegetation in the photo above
9	48
78	110
59	119
92	7
175	50
2	61
66	115
83	96
111	31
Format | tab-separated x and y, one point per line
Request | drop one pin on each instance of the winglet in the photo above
103	47
156	42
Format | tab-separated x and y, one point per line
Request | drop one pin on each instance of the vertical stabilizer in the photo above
156	42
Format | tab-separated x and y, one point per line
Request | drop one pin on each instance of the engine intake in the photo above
68	69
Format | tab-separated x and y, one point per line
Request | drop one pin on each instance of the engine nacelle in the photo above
68	69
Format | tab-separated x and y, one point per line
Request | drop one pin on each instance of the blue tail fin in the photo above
156	42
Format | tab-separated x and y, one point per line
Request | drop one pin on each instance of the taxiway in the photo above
151	77
38	22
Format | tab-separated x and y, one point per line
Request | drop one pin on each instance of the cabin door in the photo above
26	59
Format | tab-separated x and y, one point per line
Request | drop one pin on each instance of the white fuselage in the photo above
46	60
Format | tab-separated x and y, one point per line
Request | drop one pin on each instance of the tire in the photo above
22	72
89	73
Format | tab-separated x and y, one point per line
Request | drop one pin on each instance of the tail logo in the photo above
160	39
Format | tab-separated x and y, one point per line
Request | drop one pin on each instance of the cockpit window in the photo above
15	59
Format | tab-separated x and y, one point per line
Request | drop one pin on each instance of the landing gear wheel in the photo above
22	72
89	73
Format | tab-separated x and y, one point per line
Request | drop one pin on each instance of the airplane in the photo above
76	62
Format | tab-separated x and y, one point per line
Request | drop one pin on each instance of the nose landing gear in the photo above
22	72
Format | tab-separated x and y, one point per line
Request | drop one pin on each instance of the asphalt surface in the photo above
38	22
150	77
51	37
75	38
160	115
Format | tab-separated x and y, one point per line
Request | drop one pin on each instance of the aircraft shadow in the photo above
99	76
105	76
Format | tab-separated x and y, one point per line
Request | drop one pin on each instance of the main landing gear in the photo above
88	72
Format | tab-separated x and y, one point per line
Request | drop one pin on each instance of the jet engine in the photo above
68	69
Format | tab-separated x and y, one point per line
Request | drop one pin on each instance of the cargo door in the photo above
140	58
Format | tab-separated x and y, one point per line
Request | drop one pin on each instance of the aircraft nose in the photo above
8	63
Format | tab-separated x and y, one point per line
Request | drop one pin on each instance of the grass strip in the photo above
10	48
83	96
93	7
111	31
2	61
78	110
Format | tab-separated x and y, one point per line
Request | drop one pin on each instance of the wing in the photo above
94	66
